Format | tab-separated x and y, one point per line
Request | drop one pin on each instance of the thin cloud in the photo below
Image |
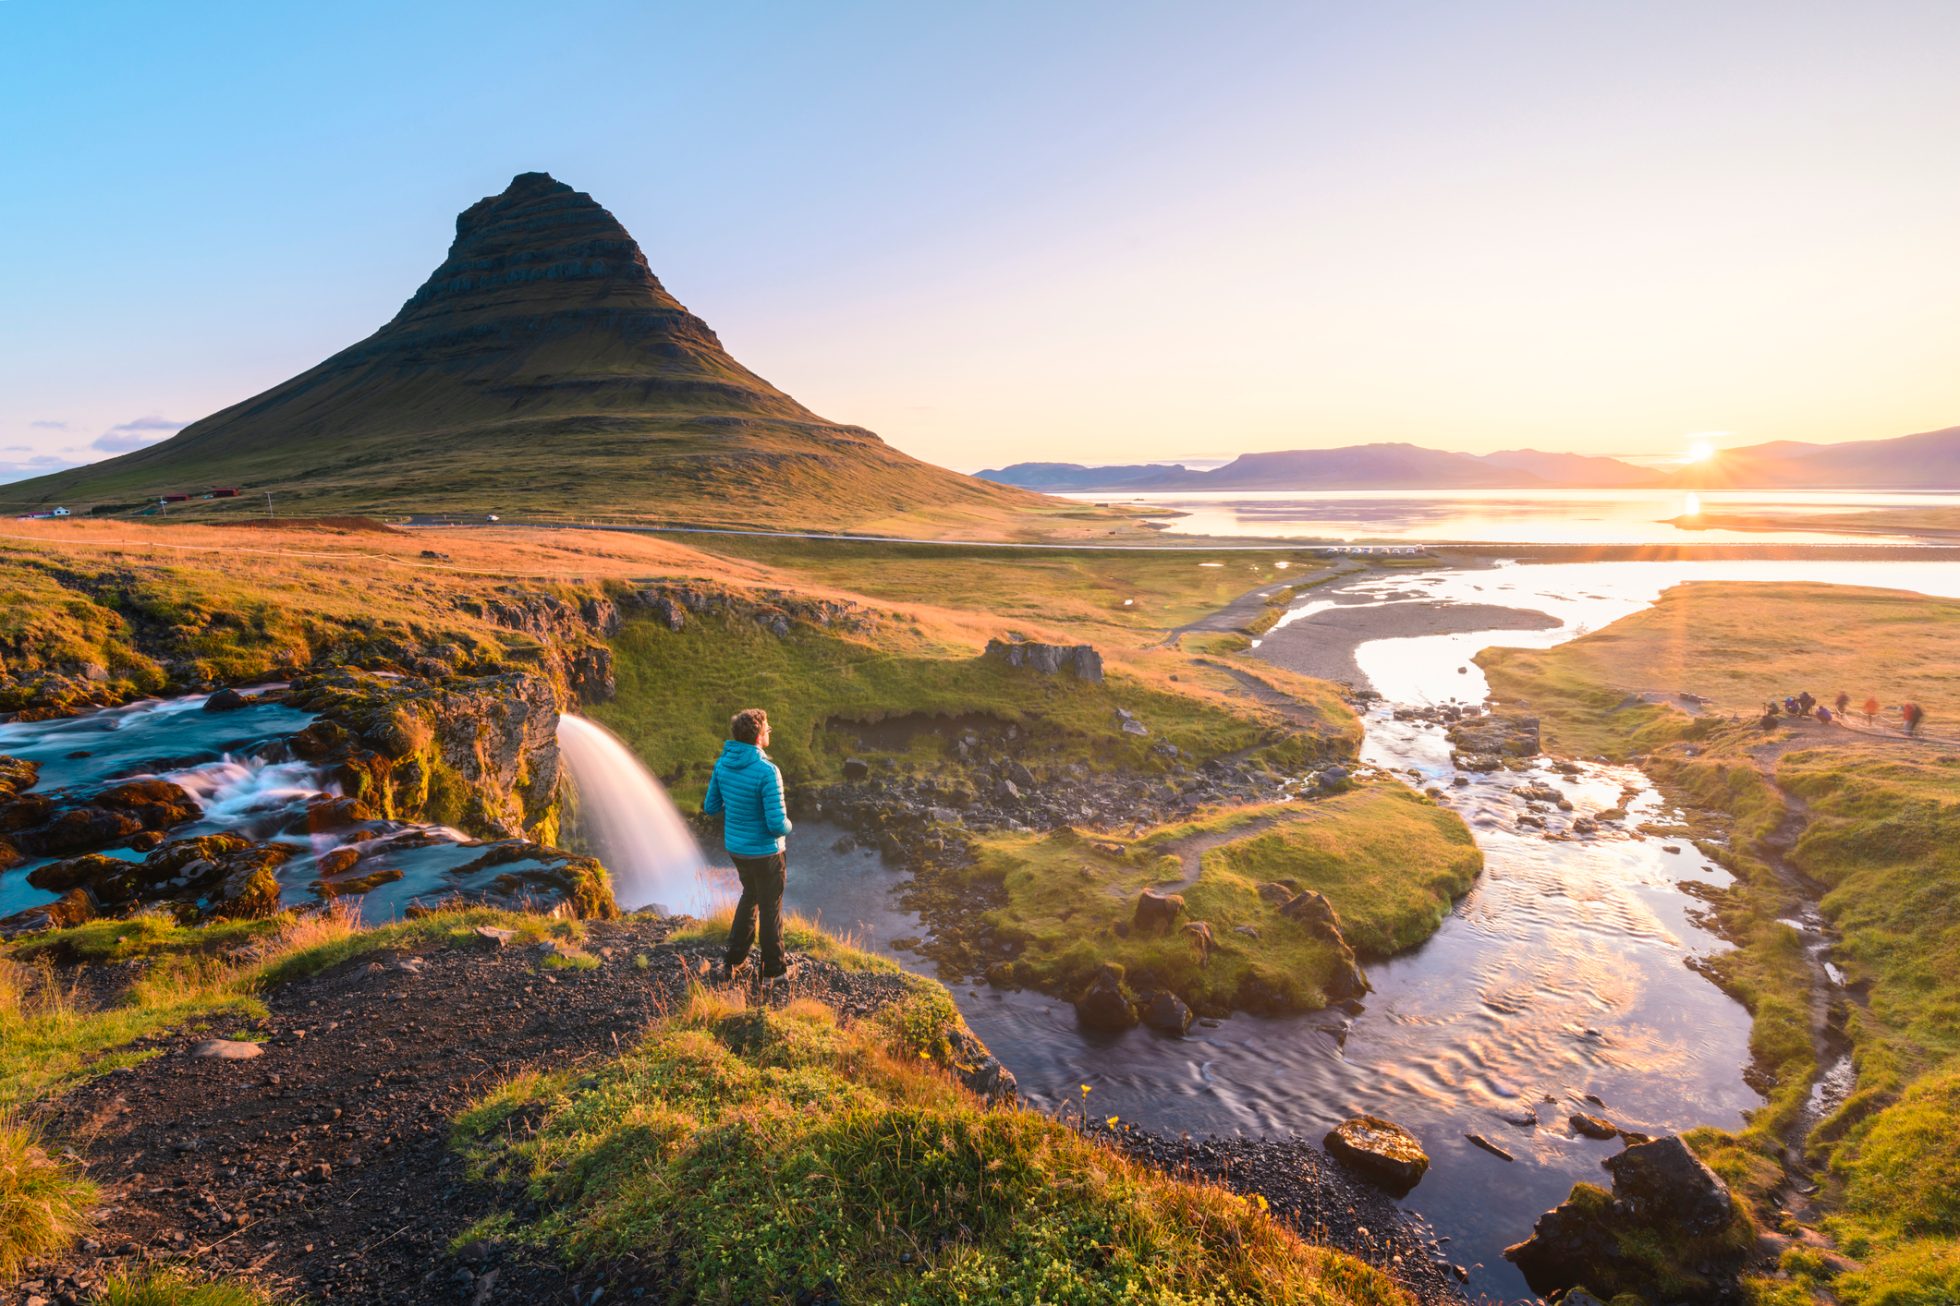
19	469
142	432
49	424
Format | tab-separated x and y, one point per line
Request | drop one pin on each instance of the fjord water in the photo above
1621	516
1567	970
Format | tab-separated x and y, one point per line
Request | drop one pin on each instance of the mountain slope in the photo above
1929	460
1350	467
542	370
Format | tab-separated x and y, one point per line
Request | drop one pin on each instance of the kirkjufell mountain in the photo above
541	371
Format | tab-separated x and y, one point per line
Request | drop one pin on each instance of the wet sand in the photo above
1323	643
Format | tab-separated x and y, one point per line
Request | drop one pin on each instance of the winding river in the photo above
1565	972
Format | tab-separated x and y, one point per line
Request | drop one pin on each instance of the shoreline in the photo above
1323	644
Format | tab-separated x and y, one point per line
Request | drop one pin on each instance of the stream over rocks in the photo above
272	811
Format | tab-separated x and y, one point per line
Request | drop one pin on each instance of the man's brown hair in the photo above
747	724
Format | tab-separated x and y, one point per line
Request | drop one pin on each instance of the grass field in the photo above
758	1153
1389	861
1879	821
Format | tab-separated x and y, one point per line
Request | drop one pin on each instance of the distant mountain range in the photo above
542	370
1928	461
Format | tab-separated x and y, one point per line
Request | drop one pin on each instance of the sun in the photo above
1700	451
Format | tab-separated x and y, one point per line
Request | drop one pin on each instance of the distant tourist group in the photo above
1804	705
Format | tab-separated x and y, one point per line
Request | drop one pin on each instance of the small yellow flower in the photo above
1111	1122
924	1055
1085	1088
1259	1200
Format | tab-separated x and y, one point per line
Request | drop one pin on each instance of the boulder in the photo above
1380	1150
1106	1004
79	829
225	700
1663	1182
1157	912
856	768
337	861
1592	1126
1167	1013
1668	1231
666	610
92	871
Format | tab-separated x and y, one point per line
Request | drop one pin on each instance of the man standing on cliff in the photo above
747	790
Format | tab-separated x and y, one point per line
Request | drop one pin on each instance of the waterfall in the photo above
627	821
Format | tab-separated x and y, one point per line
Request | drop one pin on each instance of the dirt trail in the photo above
1190	851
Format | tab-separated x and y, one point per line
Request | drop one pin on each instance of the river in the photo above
1563	972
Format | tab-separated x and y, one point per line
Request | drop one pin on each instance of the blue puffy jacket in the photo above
748	789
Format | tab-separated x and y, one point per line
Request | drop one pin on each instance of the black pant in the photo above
762	892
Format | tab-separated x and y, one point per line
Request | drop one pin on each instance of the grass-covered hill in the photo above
542	370
1860	821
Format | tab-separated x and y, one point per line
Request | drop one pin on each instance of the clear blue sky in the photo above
1003	231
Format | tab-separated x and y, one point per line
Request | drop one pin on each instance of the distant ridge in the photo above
1927	461
542	370
1350	467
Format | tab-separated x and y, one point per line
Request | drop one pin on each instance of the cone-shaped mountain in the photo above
541	371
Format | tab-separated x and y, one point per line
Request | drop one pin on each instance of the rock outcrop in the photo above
1669	1230
1078	660
480	753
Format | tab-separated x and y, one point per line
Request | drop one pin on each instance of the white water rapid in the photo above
626	820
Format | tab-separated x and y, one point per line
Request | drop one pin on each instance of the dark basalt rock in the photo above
1157	913
1166	1013
1669	1230
225	700
1106	1004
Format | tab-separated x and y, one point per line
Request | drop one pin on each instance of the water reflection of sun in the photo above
1691	505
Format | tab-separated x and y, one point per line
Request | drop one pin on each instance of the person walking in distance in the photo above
747	791
1871	710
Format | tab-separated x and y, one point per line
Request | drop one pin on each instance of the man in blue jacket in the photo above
747	790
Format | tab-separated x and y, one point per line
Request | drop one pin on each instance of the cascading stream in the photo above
626	820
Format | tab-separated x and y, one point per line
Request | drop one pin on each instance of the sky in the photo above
1094	232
